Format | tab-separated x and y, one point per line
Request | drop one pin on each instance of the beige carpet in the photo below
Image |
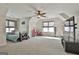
35	46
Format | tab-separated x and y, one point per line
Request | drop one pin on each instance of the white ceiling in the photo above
52	9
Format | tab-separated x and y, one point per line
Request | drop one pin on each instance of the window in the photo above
11	23
69	29
45	24
51	29
48	26
69	26
51	23
10	26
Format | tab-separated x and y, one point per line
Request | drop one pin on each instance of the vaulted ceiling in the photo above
51	9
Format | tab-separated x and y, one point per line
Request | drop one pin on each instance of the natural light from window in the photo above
10	26
48	26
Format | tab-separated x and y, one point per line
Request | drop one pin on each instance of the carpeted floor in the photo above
35	46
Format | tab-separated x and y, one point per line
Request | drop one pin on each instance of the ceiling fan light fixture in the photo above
38	16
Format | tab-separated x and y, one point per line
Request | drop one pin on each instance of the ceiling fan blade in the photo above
43	16
43	13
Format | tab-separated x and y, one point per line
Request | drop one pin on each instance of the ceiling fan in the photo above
38	12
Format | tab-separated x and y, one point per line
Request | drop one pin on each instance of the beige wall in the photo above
25	27
59	24
3	12
77	30
32	24
17	24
